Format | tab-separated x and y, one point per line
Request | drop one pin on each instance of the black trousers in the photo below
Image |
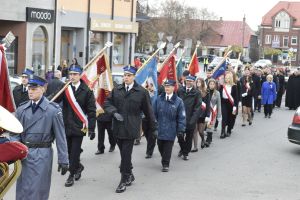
151	140
257	104
268	109
205	67
102	126
165	149
186	143
228	119
74	150
126	147
279	98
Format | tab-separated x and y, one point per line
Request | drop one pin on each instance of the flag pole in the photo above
174	48
148	60
107	45
223	59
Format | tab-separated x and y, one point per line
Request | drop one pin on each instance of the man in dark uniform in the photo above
126	103
79	110
20	92
192	102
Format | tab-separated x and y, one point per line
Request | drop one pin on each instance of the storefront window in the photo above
96	43
39	46
118	49
11	54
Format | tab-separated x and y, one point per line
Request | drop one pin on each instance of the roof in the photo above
292	8
229	33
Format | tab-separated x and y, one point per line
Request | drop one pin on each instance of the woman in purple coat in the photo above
268	95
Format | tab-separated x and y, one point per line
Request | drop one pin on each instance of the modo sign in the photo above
39	15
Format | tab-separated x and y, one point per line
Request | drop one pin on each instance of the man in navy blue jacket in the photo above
170	114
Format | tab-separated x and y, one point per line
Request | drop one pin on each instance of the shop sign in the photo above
39	15
114	26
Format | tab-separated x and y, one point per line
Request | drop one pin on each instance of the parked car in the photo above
294	128
14	81
235	62
215	62
263	63
246	60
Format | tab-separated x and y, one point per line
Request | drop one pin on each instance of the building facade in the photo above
280	30
50	31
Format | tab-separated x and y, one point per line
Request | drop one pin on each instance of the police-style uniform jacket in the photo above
86	99
20	96
130	105
170	116
40	130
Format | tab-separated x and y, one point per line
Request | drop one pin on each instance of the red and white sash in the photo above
213	115
76	108
230	98
203	106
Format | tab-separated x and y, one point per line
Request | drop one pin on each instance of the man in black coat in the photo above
79	112
20	92
54	85
281	89
192	102
126	103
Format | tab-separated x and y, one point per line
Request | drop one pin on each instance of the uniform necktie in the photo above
33	106
24	89
168	98
127	89
73	88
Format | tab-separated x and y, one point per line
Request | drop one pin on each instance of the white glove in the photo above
234	110
244	94
219	119
207	119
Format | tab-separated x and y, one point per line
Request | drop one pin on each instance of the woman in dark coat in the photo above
229	102
268	95
247	91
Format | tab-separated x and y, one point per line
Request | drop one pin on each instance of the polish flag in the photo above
98	77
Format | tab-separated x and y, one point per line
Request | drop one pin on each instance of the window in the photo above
276	38
294	40
285	41
39	48
268	39
277	23
286	23
96	43
118	49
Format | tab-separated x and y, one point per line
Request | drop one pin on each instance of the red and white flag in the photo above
168	71
98	77
194	64
6	98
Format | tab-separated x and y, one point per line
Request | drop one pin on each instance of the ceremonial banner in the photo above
98	77
179	67
6	98
194	65
168	71
220	70
148	74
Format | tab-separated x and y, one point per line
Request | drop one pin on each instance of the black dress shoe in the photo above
194	150
69	181
202	144
130	179
77	175
165	169
99	152
111	149
148	156
121	188
180	154
185	158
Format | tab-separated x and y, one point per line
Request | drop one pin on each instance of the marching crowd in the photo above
186	110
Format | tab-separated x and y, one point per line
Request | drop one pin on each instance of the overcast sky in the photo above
254	10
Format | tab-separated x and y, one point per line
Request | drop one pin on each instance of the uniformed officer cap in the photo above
129	70
27	72
170	83
75	69
190	78
35	81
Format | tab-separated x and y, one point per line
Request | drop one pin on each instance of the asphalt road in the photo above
256	162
